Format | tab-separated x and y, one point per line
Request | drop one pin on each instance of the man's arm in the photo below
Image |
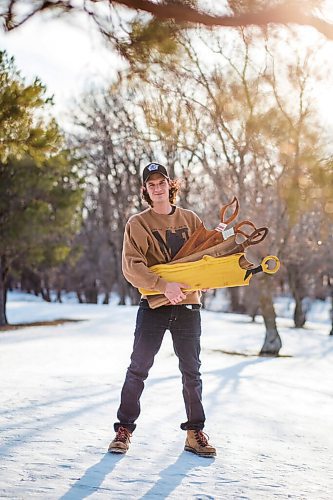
136	271
134	262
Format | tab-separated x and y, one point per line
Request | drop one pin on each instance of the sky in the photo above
65	55
68	54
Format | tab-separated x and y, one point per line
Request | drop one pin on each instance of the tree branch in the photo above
285	13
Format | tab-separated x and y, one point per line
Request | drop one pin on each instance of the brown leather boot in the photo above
197	442
121	442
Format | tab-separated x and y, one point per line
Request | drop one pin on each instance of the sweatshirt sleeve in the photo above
134	262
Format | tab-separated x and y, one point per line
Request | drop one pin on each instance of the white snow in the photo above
270	419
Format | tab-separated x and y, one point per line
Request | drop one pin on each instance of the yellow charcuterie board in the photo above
213	272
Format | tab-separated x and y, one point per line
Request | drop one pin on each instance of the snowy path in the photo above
270	419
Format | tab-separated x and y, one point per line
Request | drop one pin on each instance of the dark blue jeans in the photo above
184	323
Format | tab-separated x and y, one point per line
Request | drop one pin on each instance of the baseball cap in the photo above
153	168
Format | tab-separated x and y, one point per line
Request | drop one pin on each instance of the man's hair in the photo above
174	187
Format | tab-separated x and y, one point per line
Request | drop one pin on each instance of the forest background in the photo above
232	111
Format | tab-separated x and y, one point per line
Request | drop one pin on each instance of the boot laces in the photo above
201	438
123	435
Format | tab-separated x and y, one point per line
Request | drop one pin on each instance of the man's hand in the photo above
173	292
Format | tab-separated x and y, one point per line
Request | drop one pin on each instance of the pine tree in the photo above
22	128
40	183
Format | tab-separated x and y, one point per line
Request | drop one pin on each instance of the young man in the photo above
154	236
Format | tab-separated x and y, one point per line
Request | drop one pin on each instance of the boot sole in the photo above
206	455
118	451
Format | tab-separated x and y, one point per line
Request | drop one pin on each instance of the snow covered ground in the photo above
270	419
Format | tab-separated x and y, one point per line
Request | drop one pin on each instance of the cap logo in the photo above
152	167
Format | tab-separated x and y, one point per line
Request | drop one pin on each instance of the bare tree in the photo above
108	135
257	137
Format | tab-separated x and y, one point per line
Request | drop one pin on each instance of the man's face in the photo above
158	188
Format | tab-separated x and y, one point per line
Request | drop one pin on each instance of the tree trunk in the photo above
106	299
91	294
236	306
254	314
272	343
331	287
120	280
3	292
299	314
45	288
59	299
134	294
46	294
296	286
122	292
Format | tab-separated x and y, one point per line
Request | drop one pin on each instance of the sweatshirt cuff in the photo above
160	285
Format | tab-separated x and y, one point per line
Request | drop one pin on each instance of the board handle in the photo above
266	260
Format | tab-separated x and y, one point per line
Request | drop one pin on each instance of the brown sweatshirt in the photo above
151	239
